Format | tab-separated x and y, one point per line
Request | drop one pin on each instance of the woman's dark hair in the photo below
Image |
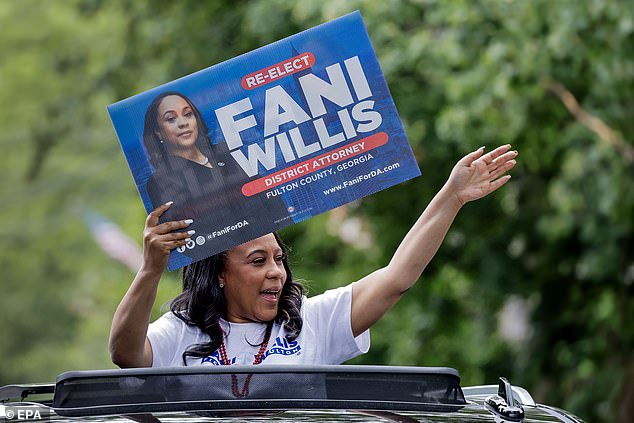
158	151
202	302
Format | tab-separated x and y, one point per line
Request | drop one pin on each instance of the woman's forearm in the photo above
423	240
128	334
375	294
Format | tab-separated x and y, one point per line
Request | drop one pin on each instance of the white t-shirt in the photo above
326	337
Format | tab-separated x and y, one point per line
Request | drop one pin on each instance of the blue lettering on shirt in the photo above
280	347
214	360
283	347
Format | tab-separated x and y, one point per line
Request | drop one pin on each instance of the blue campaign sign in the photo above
266	139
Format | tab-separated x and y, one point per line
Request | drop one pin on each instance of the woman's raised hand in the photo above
159	238
478	174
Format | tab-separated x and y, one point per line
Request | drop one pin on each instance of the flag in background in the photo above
113	241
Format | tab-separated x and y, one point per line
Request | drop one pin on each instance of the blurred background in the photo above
534	283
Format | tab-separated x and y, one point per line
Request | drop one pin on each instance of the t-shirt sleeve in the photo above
164	335
330	316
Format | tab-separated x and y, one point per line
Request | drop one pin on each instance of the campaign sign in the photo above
267	139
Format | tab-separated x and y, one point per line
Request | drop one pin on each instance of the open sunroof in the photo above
222	388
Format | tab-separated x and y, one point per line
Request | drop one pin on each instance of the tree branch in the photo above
591	122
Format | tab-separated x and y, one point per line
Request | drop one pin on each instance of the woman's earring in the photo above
161	140
222	285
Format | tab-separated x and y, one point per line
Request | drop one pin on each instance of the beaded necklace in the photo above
244	392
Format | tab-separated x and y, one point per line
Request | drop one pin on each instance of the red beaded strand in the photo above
244	392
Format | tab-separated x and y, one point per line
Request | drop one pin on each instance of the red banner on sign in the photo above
278	71
317	163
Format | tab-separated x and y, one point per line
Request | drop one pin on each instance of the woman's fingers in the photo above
167	242
501	169
501	164
166	232
154	215
478	174
152	222
171	226
499	182
499	155
164	237
167	245
491	156
471	157
159	239
504	158
176	236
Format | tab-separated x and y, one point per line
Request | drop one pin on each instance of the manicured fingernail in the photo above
189	221
191	232
187	239
515	151
481	148
169	203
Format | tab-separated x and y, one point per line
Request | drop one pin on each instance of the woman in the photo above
202	179
243	306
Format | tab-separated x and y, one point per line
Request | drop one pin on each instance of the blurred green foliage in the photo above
559	238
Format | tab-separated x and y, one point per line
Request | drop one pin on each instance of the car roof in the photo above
220	388
280	393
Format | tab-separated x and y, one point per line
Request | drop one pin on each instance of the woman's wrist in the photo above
449	196
150	270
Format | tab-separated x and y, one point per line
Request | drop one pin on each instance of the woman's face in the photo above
253	277
177	123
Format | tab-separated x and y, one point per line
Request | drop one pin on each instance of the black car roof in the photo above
280	393
221	388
